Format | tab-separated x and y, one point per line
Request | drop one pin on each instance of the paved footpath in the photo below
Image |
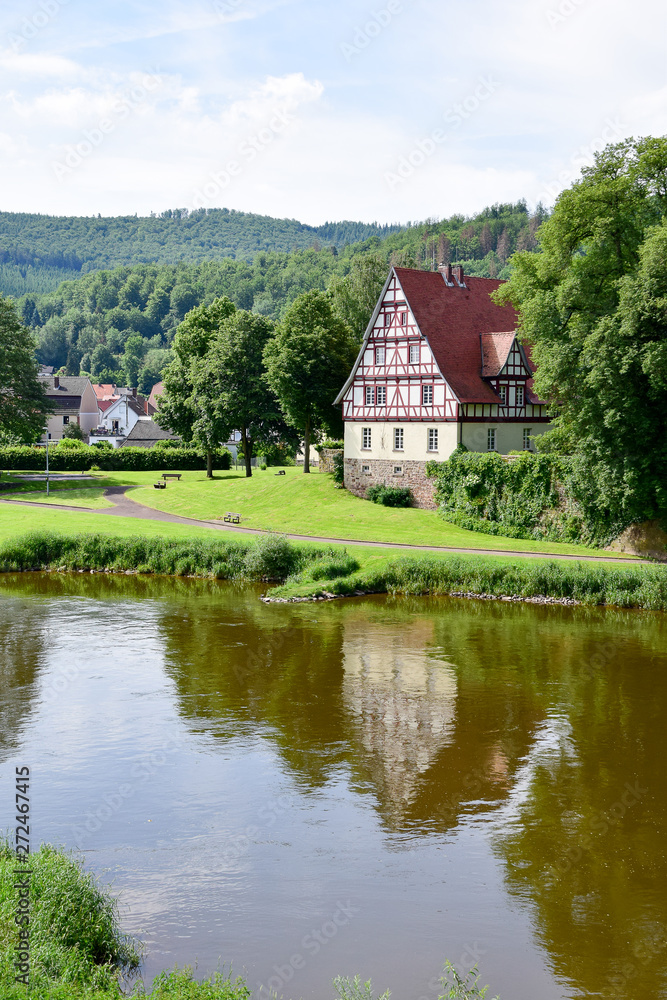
126	507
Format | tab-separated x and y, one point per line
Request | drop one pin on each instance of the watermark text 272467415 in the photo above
22	875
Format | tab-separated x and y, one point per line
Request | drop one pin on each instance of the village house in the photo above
119	409
439	366
73	400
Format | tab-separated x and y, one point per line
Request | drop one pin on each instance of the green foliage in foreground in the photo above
544	497
587	583
270	557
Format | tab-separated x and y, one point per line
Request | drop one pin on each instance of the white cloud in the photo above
37	65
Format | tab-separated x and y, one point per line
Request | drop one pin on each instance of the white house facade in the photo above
439	366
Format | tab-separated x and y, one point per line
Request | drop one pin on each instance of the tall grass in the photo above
588	583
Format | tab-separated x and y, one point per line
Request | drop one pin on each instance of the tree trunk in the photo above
209	465
247	451
306	447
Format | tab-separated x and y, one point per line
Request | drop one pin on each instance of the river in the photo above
365	786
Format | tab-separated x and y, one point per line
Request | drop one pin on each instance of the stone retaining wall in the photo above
327	458
382	474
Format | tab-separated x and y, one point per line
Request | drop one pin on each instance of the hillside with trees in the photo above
38	252
118	325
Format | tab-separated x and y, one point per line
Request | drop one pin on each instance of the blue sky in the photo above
394	110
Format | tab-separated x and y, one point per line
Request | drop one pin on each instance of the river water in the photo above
366	786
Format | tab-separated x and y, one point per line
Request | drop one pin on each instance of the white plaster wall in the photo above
509	437
415	441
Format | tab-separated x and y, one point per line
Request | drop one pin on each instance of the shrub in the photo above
73	432
390	496
272	557
329	443
339	469
334	567
75	456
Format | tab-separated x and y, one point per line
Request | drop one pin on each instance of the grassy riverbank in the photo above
311	505
307	570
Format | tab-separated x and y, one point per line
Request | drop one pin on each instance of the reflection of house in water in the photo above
403	700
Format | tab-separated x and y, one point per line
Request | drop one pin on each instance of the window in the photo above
379	355
414	354
398	470
502	392
404	319
491	439
381	395
366	470
65	420
387	319
433	439
520	395
370	395
427	395
398	439
527	431
366	437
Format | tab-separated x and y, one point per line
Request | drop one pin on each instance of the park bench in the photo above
171	475
231	517
281	473
160	486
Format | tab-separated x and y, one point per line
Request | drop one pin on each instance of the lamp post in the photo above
47	463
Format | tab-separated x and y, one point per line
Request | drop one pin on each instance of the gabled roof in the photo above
69	385
104	404
452	319
146	433
495	351
105	390
156	392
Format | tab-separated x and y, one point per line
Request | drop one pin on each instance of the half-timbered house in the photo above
439	366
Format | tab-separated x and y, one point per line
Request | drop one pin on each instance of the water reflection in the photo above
459	766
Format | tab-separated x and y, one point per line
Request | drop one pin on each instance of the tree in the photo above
182	410
23	401
354	297
307	363
230	377
73	430
135	346
593	304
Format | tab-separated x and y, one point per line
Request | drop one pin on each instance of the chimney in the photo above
446	272
56	382
134	393
460	277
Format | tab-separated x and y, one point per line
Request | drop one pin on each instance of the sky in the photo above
385	111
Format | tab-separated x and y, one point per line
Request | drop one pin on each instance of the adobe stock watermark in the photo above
32	24
614	129
224	8
92	138
311	943
374	26
565	9
644	952
247	151
410	162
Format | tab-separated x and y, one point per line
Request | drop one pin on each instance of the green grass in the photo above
80	496
311	505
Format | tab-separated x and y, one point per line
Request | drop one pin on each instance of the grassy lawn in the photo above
15	521
310	505
82	492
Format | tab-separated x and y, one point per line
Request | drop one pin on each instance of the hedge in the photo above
30	458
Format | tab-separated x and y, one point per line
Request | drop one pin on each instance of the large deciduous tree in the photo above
231	376
354	297
307	363
23	401
593	305
185	407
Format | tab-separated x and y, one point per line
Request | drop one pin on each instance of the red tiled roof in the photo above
453	318
156	392
105	391
495	350
104	404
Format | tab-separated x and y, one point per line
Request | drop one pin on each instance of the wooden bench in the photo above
231	517
160	486
281	473
171	475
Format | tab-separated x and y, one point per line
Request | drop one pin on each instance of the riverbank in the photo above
306	571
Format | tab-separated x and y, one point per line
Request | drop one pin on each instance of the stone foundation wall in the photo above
327	457
382	474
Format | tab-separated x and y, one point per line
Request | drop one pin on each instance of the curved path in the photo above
125	507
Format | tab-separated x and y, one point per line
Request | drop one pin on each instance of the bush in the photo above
329	443
334	567
73	432
390	496
339	469
75	456
272	557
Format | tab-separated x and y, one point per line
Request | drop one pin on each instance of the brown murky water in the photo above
366	786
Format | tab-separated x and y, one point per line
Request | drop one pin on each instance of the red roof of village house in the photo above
495	351
104	390
453	318
104	404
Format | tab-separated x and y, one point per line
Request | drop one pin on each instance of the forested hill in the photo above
37	252
118	324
